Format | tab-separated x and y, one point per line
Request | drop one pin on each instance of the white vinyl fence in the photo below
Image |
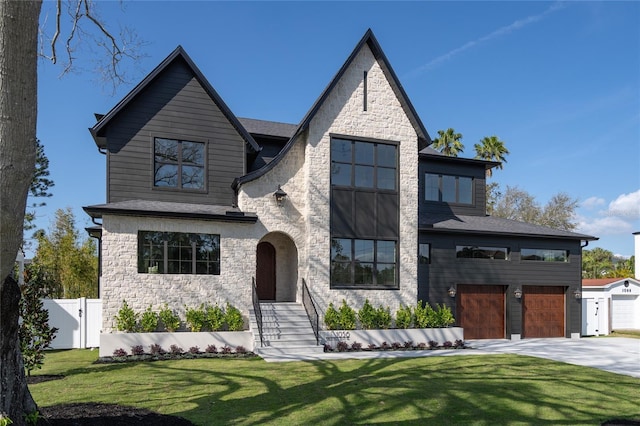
78	321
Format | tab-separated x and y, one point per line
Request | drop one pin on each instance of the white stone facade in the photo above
304	174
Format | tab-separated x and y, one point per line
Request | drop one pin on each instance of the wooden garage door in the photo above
543	311
480	311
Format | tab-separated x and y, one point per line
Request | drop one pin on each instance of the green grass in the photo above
469	389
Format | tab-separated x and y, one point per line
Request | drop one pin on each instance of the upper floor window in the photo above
424	254
544	255
448	188
178	164
178	253
361	164
474	252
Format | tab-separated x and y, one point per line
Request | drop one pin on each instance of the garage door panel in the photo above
543	311
622	312
481	311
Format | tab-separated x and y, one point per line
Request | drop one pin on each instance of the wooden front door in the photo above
481	311
543	311
266	271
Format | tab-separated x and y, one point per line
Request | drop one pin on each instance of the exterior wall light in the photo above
452	291
577	294
517	293
280	196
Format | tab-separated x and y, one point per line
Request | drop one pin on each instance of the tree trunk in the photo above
18	110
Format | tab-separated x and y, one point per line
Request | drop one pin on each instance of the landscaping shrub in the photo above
424	315
156	349
126	319
367	316
347	317
194	350
356	346
328	347
447	344
211	349
149	320
433	344
396	345
214	317
233	318
119	353
459	344
196	318
408	344
241	350
225	350
332	318
404	317
342	346
170	320
443	316
137	350
175	350
383	318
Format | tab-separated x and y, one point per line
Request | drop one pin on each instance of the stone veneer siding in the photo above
120	279
304	174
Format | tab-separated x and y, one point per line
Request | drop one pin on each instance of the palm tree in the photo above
448	142
492	149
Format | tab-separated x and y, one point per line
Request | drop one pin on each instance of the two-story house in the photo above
201	202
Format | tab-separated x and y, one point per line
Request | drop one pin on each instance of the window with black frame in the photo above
448	188
476	252
179	164
364	214
178	253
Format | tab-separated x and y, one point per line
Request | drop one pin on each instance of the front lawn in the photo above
468	389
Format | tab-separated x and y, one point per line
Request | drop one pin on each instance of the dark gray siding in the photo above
450	168
446	270
173	106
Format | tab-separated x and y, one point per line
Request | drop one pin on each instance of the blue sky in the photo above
558	82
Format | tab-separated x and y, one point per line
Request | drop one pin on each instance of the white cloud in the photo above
626	205
592	203
610	225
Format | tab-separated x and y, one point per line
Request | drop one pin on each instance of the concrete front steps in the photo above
286	332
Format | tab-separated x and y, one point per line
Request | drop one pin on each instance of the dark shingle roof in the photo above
268	128
173	210
494	225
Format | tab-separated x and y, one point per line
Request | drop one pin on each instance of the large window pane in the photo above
363	274
364	153
364	176
363	250
166	175
192	177
544	255
386	252
386	275
193	153
179	252
341	174
386	178
341	150
473	252
431	187
465	190
166	150
341	249
449	189
386	155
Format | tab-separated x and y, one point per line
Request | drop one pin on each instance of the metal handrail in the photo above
256	309
312	311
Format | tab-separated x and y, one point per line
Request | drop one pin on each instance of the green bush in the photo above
170	320
443	316
367	316
233	318
126	319
214	317
382	318
332	318
196	318
347	317
424	315
149	320
404	317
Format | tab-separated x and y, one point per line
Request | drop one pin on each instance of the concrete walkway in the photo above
615	354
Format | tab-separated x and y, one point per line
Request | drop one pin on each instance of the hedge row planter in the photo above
182	339
401	335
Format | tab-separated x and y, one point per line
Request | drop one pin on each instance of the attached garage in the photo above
543	311
481	311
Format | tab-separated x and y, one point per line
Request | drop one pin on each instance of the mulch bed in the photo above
96	414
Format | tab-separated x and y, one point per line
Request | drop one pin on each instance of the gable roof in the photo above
369	40
268	128
97	131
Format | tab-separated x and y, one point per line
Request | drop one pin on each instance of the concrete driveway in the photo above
615	354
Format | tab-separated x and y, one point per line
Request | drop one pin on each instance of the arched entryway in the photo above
277	268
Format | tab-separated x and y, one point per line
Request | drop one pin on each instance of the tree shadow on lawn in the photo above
483	389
